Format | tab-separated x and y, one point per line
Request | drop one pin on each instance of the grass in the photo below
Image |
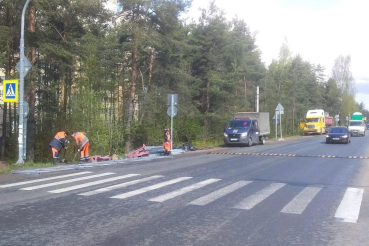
30	164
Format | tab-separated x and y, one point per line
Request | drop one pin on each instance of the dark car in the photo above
338	134
367	126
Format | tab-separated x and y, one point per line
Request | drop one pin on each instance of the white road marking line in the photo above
182	191
41	180
76	187
122	185
301	201
259	196
349	209
219	193
149	188
65	181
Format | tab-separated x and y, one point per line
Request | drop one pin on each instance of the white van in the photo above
357	127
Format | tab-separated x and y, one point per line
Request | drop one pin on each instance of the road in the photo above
295	192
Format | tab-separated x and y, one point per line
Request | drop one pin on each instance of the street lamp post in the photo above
21	88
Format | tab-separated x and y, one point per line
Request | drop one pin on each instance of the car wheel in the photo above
249	143
347	142
262	140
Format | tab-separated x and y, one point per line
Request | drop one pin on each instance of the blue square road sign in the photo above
10	91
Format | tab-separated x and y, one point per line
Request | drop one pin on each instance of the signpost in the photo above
23	65
172	112
279	110
337	119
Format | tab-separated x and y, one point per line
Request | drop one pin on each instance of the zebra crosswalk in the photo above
347	211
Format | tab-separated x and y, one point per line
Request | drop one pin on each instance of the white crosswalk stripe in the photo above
349	209
259	196
219	193
150	188
65	181
76	187
42	180
301	201
122	185
183	190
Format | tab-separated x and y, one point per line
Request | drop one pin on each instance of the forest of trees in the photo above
109	74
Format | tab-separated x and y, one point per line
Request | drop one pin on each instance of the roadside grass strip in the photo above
349	209
182	191
41	180
259	196
289	155
301	201
65	181
76	187
219	193
122	185
150	188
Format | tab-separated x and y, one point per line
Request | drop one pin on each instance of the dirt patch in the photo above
3	165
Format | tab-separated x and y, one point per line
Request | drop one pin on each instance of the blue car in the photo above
338	134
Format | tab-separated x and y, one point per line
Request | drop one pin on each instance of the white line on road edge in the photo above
65	181
182	191
301	201
149	188
122	185
76	187
349	209
219	193
259	196
40	180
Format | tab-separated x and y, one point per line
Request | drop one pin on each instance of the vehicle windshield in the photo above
312	120
238	124
338	130
356	123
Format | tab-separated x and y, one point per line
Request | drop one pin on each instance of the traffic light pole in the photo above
21	89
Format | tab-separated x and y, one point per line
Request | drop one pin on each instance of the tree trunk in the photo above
31	95
245	82
131	102
4	129
207	96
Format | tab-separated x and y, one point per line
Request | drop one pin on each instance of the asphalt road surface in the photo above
293	192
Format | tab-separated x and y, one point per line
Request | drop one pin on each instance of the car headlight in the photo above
344	136
225	135
244	134
327	136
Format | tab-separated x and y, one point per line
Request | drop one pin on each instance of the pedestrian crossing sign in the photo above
10	91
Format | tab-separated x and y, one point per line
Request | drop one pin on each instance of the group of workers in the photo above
60	141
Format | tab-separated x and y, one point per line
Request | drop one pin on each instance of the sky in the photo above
318	30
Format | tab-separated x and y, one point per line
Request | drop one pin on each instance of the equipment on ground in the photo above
140	152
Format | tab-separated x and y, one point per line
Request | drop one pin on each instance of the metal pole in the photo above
257	99
276	125
21	89
280	124
171	122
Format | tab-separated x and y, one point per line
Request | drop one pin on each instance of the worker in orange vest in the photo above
167	140
83	145
57	143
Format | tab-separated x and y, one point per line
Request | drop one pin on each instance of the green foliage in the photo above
83	80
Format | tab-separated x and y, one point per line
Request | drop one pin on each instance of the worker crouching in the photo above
83	144
57	143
